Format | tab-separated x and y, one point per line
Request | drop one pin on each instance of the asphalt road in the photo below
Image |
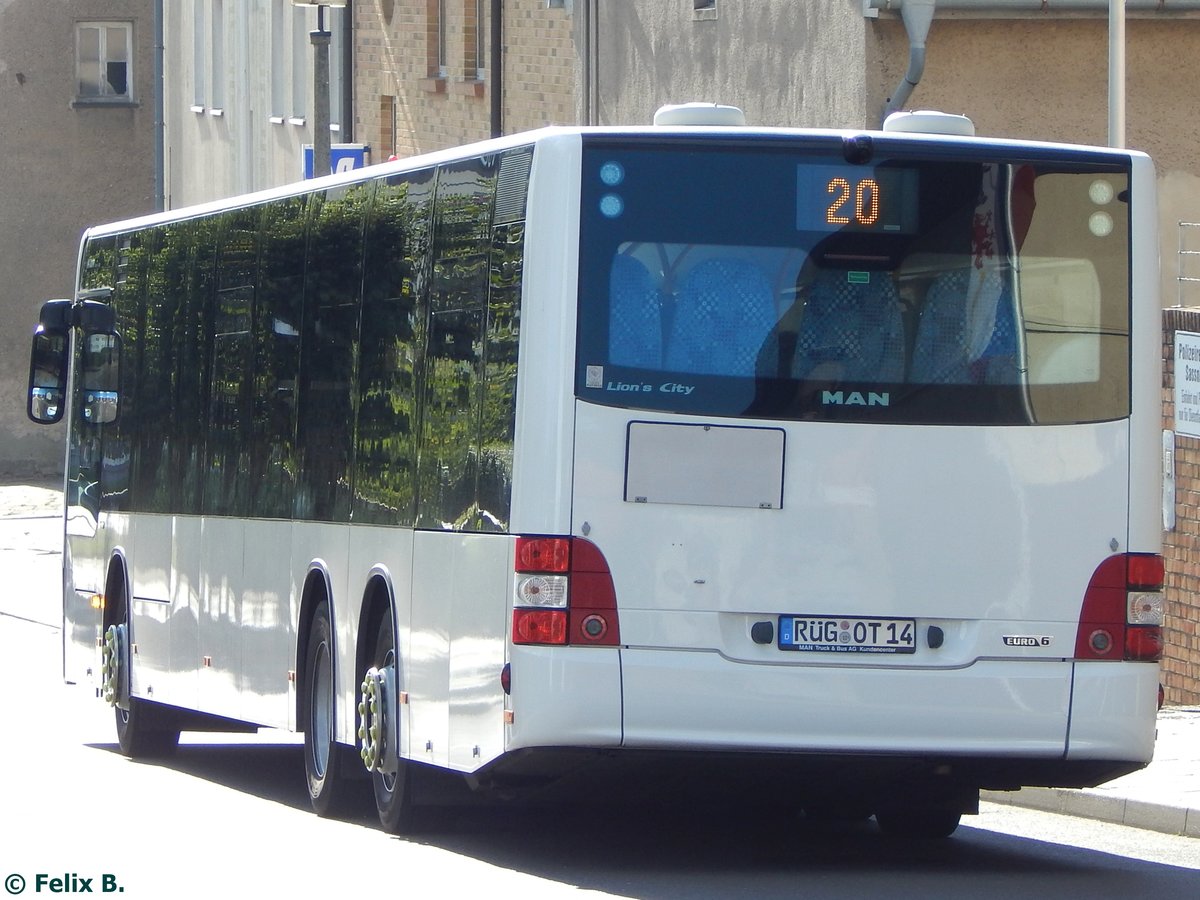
229	817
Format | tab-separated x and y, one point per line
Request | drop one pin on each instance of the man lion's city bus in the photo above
820	462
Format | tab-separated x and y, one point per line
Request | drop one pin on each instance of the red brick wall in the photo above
1181	547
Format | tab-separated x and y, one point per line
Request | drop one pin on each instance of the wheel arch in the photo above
379	599
117	589
318	586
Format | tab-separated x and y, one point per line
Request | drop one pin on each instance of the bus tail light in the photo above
564	594
1122	613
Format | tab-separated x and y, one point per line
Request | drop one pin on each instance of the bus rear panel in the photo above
863	432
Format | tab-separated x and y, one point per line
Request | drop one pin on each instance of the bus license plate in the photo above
840	634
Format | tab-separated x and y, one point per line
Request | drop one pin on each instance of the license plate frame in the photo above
809	633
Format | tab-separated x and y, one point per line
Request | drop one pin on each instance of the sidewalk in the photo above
1165	796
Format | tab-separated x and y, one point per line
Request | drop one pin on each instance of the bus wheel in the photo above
918	821
379	736
144	730
327	788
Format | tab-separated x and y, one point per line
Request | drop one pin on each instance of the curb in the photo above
1088	805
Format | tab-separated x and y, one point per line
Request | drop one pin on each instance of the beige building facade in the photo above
1018	68
240	94
425	71
77	146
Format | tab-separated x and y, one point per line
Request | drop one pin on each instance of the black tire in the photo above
145	730
393	793
324	758
918	821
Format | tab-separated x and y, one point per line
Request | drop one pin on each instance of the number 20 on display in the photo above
860	200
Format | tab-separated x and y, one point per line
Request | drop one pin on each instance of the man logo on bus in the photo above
855	398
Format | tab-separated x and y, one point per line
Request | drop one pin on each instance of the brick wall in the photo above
425	80
1181	547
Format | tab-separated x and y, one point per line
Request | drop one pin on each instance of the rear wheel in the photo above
918	821
324	757
379	735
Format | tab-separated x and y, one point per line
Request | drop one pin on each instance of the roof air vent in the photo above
699	114
927	121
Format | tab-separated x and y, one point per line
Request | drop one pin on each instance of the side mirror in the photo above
100	378
48	376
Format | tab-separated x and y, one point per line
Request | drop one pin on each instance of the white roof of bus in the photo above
500	144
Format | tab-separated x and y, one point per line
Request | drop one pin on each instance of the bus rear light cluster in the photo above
564	594
1122	615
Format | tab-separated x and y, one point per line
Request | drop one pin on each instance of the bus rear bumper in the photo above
1038	709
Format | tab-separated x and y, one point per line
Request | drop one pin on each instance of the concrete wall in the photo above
243	128
1046	78
62	167
783	62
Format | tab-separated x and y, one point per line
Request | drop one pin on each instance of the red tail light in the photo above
564	594
1122	611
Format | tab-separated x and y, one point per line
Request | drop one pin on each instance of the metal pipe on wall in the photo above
496	76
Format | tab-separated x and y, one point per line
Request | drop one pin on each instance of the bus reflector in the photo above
1122	612
564	594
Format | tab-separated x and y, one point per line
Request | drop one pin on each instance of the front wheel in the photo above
145	730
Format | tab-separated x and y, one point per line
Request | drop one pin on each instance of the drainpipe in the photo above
160	202
496	88
1116	73
917	16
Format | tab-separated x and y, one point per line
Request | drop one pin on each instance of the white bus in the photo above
822	461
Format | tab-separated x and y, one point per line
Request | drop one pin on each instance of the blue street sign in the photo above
342	158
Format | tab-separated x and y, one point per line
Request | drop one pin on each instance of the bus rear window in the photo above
787	284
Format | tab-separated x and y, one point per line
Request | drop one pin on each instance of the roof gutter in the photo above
871	8
917	16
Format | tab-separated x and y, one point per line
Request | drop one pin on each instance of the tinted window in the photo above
328	346
783	283
394	283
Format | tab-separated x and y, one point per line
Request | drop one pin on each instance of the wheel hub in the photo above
112	656
377	735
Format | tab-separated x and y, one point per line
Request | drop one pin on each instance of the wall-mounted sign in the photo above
1187	383
342	158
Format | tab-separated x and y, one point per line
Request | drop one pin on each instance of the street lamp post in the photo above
320	43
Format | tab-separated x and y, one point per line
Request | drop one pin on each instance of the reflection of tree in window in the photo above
228	488
451	397
394	282
328	345
277	354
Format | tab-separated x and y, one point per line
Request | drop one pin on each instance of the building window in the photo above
435	38
199	60
387	127
104	61
216	98
475	40
339	27
704	9
301	76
